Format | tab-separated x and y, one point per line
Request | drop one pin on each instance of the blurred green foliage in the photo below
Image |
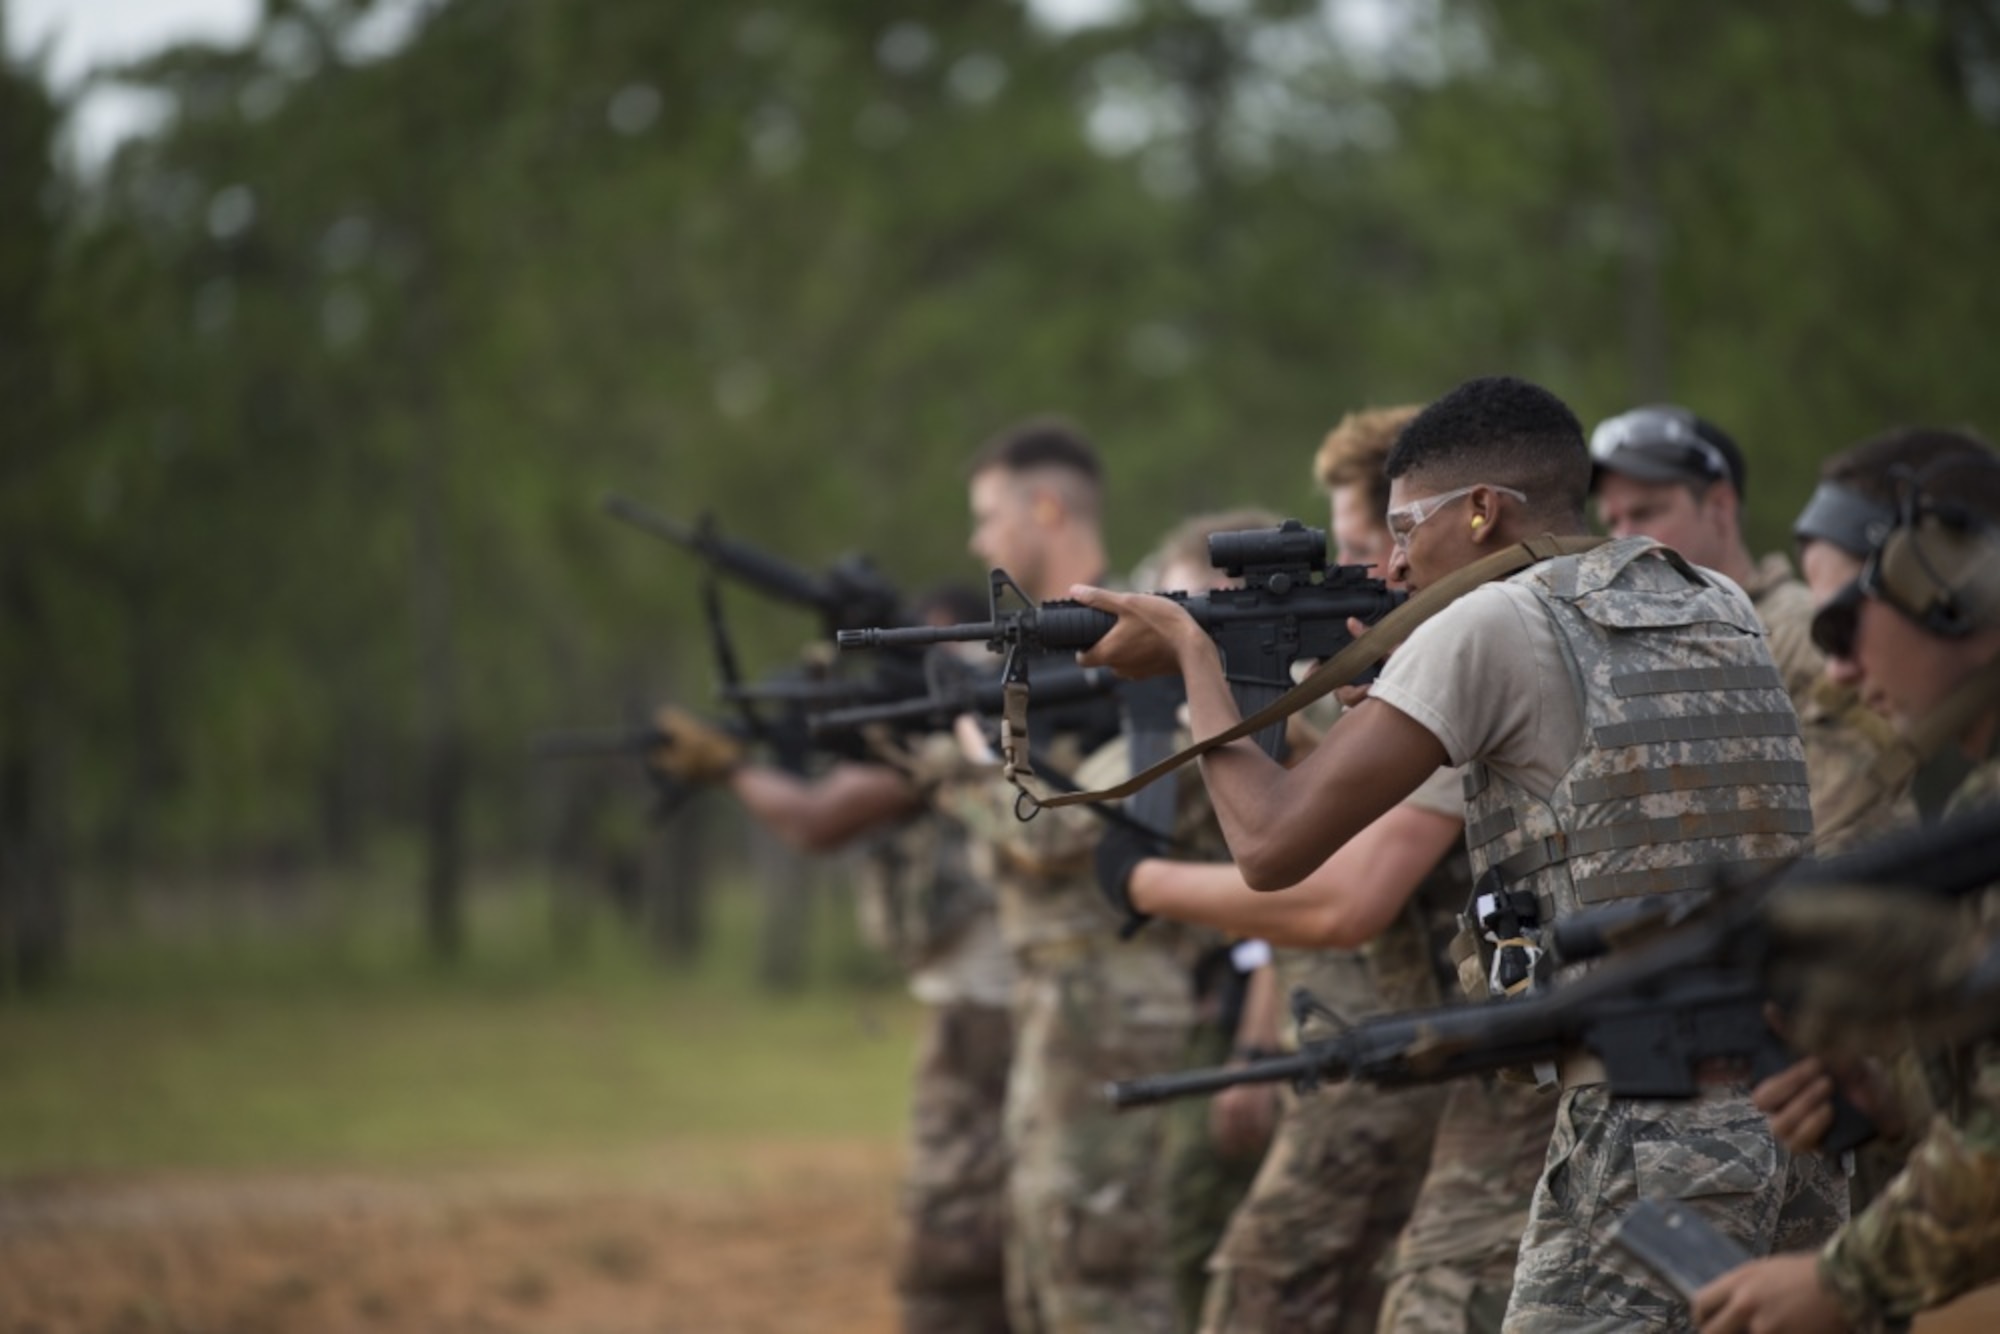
319	382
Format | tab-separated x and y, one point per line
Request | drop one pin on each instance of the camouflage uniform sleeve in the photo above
1934	1233
1054	842
1851	800
1785	606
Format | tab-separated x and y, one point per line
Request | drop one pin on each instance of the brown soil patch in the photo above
748	1238
761	1239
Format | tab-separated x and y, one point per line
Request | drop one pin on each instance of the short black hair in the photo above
1505	432
1039	442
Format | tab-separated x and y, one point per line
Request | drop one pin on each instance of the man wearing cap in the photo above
1662	472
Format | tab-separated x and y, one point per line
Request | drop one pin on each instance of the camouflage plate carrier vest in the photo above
1691	760
916	890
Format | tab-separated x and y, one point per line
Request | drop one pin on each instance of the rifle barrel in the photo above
1054	687
919	636
1150	1089
773	575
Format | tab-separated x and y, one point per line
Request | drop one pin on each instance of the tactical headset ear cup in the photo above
1926	570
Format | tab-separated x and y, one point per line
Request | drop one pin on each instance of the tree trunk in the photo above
784	883
1636	150
34	917
443	735
677	892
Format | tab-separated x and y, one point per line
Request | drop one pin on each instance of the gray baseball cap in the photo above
1664	443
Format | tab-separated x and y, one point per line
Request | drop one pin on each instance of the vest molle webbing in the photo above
1691	761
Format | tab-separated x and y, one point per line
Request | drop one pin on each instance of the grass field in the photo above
267	1111
334	1044
251	1124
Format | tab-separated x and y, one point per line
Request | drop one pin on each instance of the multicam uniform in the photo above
921	901
1627	733
1453	1270
1088	1247
1934	1233
1305	1251
1205	1184
1852	801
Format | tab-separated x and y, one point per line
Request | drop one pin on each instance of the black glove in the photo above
1122	848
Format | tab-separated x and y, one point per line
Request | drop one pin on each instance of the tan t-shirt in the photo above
1489	678
1443	793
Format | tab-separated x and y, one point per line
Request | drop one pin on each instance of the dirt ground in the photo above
719	1239
779	1239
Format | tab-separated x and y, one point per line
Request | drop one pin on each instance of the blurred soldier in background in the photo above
1212	1161
1090	1247
921	900
1664	473
1915	627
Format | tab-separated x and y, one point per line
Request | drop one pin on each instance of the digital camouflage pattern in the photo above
1934	1232
1691	761
950	1276
1306	1250
1452	1271
1089	1246
1844	739
1715	1154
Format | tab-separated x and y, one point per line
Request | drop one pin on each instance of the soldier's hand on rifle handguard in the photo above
691	750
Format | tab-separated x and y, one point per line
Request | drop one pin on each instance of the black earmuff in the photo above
1929	562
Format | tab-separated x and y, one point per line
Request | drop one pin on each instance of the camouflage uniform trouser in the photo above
1305	1251
1204	1187
1088	1247
1454	1264
1716	1153
949	1275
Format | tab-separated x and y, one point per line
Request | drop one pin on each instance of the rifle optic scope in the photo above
1291	545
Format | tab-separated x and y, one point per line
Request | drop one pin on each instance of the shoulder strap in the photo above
1364	652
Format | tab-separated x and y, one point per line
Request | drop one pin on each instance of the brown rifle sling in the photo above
1375	644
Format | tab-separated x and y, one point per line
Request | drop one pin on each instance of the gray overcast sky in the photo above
85	34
